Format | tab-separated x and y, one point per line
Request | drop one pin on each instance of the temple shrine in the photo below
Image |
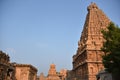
87	61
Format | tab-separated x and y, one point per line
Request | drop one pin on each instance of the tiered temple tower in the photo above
52	74
87	62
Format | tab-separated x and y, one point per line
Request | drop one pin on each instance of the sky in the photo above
42	32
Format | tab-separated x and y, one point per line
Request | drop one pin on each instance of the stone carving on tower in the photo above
87	61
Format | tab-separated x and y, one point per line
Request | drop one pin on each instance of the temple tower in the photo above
52	74
52	70
42	77
87	61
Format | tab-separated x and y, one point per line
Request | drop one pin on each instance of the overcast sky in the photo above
41	32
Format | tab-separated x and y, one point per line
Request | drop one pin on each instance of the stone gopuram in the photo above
87	61
25	72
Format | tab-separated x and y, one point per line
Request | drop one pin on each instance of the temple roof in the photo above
25	65
92	6
91	36
95	21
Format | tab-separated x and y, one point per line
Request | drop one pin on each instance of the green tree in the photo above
111	48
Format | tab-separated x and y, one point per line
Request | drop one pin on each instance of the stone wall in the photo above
25	72
6	68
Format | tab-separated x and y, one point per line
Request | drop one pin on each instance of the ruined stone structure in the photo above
6	68
42	77
25	72
87	61
53	75
62	74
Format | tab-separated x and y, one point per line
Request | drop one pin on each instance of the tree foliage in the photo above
111	48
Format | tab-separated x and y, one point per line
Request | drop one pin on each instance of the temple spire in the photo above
87	61
96	20
92	6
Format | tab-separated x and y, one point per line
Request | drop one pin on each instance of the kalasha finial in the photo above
92	6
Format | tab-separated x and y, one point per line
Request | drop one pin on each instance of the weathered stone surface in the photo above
25	72
42	77
63	74
6	68
53	75
87	61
